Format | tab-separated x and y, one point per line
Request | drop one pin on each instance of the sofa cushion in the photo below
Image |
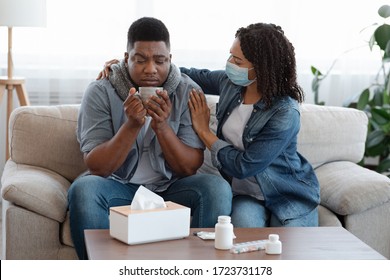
332	134
327	218
45	136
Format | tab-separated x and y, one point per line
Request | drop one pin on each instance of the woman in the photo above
255	146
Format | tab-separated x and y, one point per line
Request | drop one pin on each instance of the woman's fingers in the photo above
197	99
106	69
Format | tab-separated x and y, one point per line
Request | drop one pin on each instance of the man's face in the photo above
148	63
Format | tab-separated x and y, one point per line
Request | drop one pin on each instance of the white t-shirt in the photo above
232	130
144	174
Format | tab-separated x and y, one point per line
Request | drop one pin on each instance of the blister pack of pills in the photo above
205	234
249	246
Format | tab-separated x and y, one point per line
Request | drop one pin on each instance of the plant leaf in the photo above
375	138
375	150
363	99
377	99
386	128
386	55
376	143
380	116
382	36
384	11
384	165
386	97
315	71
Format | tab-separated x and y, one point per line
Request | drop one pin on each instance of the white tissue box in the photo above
144	226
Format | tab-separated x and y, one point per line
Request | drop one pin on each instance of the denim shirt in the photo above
286	179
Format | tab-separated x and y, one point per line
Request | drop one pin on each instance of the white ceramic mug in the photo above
146	92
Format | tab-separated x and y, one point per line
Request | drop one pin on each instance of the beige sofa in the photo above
45	159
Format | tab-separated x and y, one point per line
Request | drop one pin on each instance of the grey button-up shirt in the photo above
101	115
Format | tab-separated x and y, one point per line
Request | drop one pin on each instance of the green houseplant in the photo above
375	99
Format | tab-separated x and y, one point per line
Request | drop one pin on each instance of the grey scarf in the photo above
120	79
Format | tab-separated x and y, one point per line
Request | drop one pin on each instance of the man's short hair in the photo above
147	29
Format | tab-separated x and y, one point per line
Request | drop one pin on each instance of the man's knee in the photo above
217	186
84	187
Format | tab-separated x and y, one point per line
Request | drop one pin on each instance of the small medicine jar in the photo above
273	245
223	233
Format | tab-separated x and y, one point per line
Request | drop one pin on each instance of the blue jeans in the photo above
90	198
250	212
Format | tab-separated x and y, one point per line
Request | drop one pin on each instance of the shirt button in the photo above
254	110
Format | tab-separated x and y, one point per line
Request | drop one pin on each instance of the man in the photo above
127	143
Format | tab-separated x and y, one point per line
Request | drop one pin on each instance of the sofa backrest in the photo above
45	136
332	134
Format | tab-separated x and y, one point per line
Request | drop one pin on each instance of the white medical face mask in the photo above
238	75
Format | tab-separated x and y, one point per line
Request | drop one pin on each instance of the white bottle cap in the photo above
273	237
224	219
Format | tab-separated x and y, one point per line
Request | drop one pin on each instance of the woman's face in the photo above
238	58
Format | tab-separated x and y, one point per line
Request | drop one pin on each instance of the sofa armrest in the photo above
348	188
36	189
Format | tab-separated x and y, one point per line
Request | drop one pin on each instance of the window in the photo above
59	61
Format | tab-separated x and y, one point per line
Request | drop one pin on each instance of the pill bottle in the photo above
273	245
223	233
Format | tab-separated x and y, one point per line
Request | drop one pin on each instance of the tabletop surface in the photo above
298	243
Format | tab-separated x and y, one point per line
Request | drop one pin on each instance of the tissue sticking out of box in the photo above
145	199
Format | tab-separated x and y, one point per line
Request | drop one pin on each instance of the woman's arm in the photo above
269	142
209	81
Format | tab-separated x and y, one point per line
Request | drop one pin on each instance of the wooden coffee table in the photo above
299	243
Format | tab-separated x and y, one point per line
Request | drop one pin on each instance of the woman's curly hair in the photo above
273	59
